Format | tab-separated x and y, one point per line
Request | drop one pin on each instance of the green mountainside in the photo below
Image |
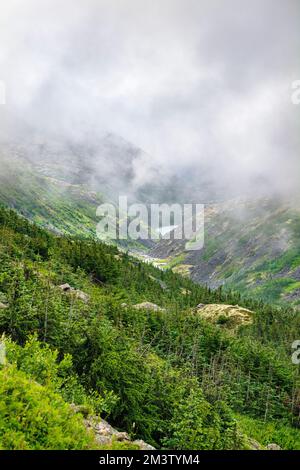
53	203
85	326
58	193
250	246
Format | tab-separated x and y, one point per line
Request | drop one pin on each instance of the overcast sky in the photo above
194	83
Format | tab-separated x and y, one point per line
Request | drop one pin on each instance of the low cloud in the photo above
203	87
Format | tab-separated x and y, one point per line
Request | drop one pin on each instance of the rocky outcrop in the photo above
229	316
105	434
78	294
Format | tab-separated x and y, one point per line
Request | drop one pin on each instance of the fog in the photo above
203	87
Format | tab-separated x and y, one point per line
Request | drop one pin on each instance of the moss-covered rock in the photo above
229	316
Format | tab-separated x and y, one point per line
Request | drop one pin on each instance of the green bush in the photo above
197	424
32	416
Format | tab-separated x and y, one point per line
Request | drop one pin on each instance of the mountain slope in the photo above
48	182
59	183
53	203
250	246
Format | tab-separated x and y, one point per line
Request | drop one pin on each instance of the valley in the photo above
91	333
252	246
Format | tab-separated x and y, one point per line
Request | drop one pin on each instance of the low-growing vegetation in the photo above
167	376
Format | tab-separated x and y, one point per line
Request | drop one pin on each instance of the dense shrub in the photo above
32	416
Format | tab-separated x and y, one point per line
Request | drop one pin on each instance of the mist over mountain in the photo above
202	87
110	165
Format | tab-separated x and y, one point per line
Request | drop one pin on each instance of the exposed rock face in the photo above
229	316
105	434
273	447
149	306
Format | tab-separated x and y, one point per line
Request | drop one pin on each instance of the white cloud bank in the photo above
195	83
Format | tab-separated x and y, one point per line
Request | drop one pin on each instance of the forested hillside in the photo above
250	245
86	325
